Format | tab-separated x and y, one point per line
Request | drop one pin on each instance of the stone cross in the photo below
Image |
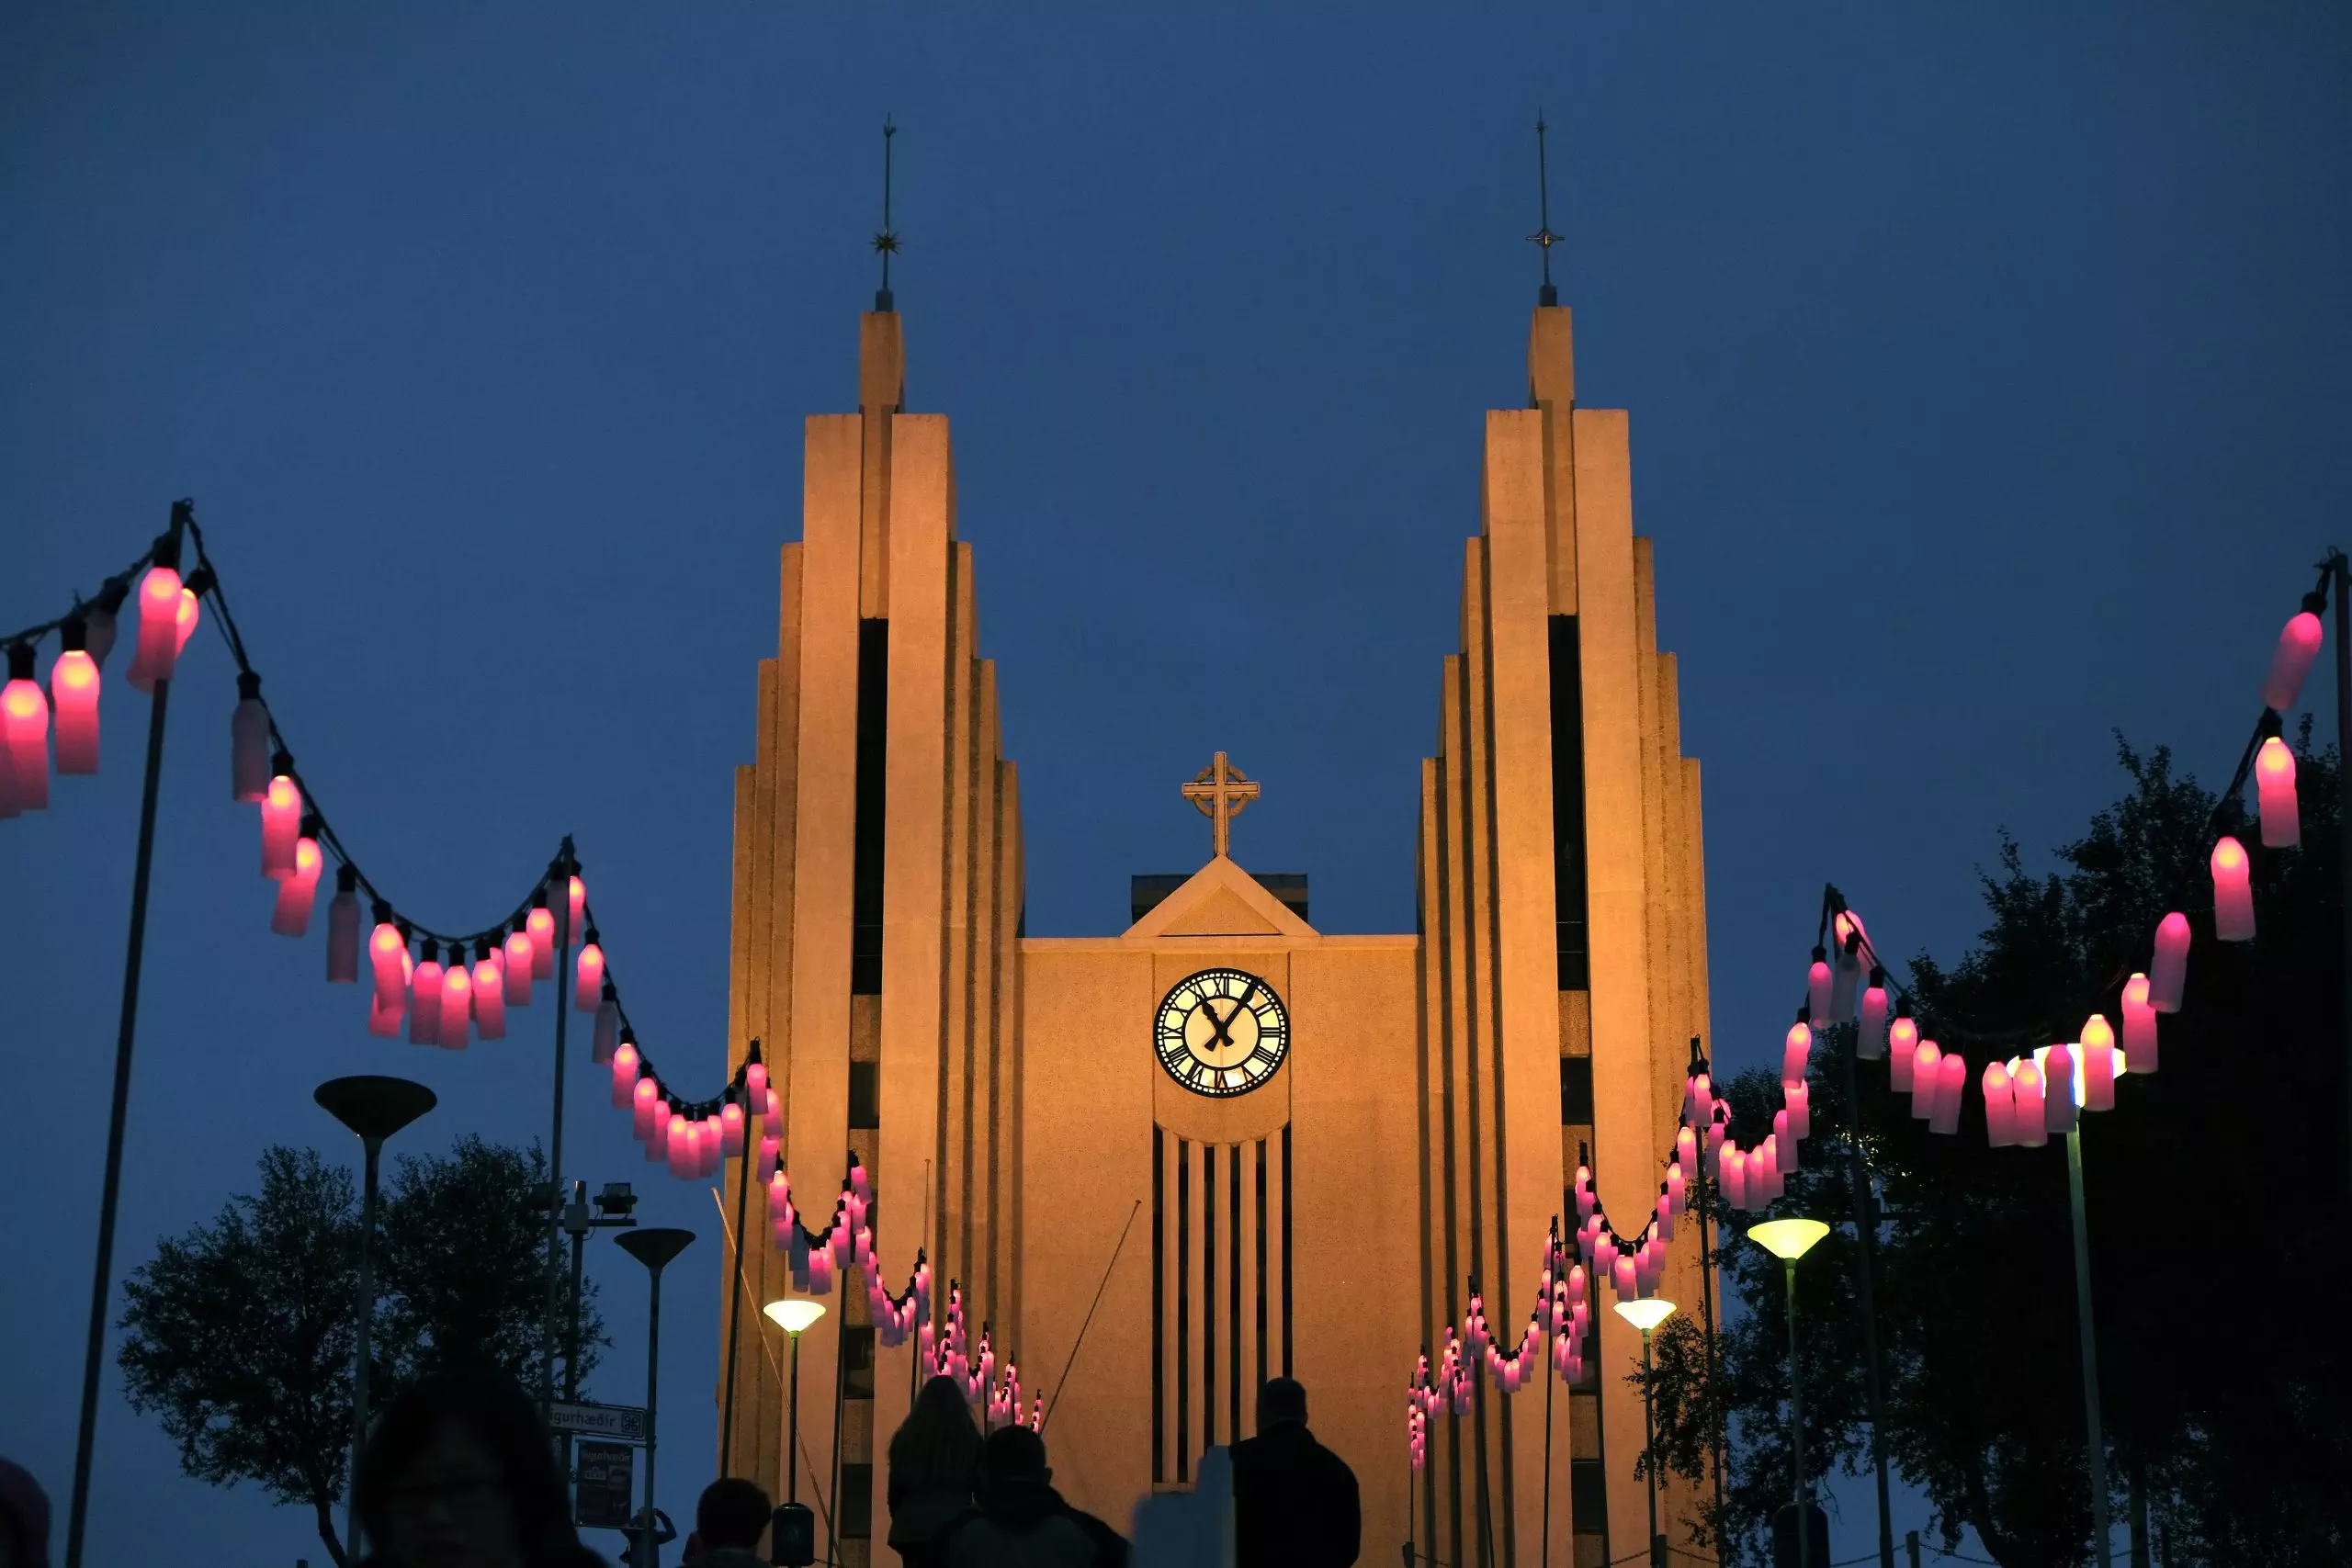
1220	791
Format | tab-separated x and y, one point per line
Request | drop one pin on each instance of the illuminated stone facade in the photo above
1420	1128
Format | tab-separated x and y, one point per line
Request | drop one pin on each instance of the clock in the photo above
1221	1032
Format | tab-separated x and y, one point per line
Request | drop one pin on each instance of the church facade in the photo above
1311	1144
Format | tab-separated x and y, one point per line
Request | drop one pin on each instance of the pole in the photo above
1705	1206
1796	1421
1866	1232
735	1297
579	1270
2097	1444
110	1192
792	1462
363	1317
561	901
1649	1452
648	1554
1550	1375
2343	789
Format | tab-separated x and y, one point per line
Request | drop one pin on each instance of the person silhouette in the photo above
1295	1501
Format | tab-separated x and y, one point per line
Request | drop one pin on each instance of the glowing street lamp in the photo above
792	1315
1645	1315
1788	1240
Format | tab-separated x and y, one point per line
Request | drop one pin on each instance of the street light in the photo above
1788	1240
1647	1314
653	1248
2096	1446
375	1108
793	1533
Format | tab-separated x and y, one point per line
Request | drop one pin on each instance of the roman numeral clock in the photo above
1221	1032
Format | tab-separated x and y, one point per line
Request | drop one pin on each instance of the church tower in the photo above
1272	1150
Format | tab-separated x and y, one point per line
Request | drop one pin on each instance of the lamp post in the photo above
375	1108
2096	1446
792	1315
1645	1315
1788	1240
653	1248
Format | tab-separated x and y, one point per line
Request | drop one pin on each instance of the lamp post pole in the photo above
2097	1442
1866	1233
1788	1240
653	1248
1645	1315
375	1108
2341	571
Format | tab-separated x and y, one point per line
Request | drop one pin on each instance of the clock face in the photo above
1221	1032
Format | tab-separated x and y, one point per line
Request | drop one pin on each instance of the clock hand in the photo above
1224	1035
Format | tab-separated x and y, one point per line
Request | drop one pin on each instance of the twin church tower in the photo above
1312	1142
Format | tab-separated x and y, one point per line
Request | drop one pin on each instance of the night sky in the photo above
1986	378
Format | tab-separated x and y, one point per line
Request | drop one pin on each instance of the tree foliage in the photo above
2214	1193
239	1335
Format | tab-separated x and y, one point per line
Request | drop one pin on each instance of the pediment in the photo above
1219	899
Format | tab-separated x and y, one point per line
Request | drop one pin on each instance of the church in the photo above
1311	1143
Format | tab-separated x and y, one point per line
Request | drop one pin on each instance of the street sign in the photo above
623	1423
604	1484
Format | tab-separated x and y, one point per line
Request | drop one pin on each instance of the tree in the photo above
2203	1188
239	1335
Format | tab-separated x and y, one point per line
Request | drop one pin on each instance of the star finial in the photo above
1543	238
885	244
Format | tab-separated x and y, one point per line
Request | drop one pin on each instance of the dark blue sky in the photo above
1986	370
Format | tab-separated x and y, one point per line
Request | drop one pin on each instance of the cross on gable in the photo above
1220	791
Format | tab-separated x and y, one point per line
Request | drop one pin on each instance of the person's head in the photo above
24	1519
1282	1402
937	1441
460	1473
733	1512
1013	1456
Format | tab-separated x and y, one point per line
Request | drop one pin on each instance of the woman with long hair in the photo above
933	1455
460	1473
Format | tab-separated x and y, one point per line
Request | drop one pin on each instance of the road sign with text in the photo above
622	1423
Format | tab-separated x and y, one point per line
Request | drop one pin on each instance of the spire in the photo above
1542	238
885	244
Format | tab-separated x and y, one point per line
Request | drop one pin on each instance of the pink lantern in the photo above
1686	1154
249	768
489	993
159	628
774	1114
2058	1106
657	1132
425	999
456	1001
643	1098
23	729
74	694
343	928
1732	1170
540	925
2274	787
608	1026
1623	1274
1798	1098
282	823
2099	1064
1870	1042
679	1136
730	1128
1817	981
755	1085
2030	1129
1796	1054
1902	1049
589	989
298	895
769	1146
2139	1027
2000	1106
516	970
1951	1084
579	893
387	950
2232	892
1783	1146
1925	1062
1698	1100
624	1075
2169	973
2299	643
384	1018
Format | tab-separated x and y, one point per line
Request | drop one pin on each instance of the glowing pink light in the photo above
607	1031
2274	787
489	995
730	1129
159	630
1902	1049
385	952
424	999
540	925
774	1114
1924	1065
769	1146
74	691
1817	981
456	1003
249	743
2000	1106
657	1132
1798	1098
298	895
2030	1129
2168	975
515	968
2139	1027
679	1137
1951	1084
643	1097
2298	642
2099	1064
624	1076
2233	891
579	894
1870	1042
282	823
1732	1171
2059	1109
1796	1053
589	989
23	729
